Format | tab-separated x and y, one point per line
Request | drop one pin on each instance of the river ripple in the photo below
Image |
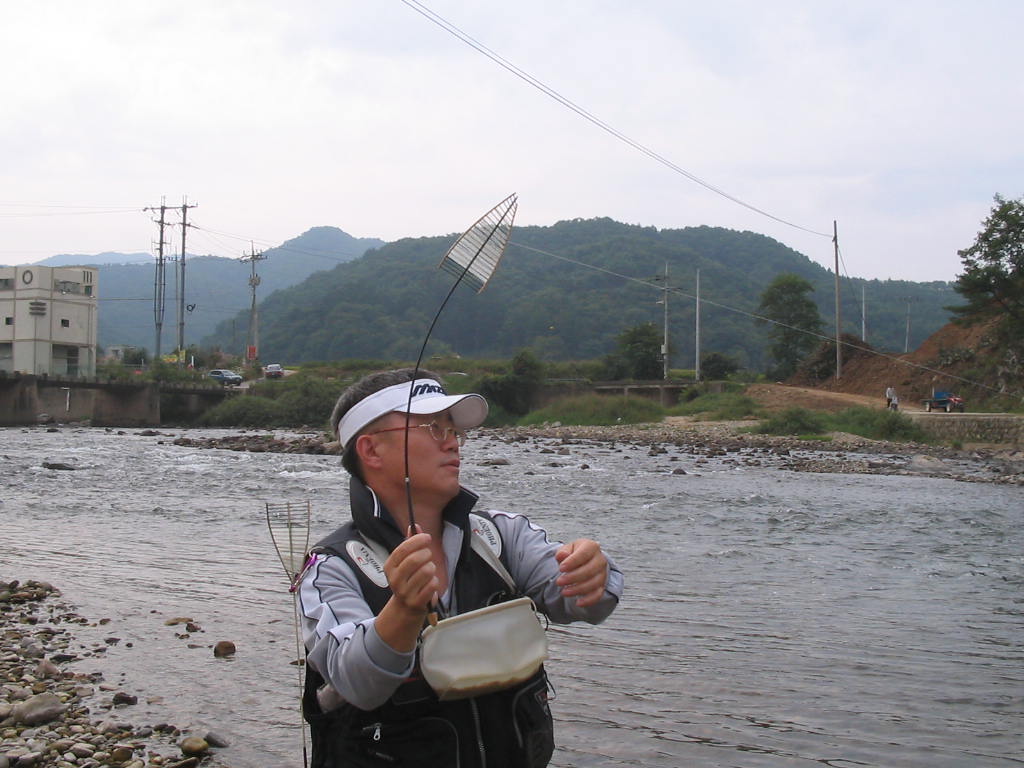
771	618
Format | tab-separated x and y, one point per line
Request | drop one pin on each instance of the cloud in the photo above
899	121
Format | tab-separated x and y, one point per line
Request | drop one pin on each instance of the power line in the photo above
566	102
64	212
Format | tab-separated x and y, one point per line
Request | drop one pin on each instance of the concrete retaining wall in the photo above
24	399
1002	428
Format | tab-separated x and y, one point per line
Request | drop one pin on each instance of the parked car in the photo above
944	401
273	371
225	377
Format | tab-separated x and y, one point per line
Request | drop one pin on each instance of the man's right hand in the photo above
414	586
412	574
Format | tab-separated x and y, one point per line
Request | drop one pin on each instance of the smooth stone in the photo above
41	708
193	746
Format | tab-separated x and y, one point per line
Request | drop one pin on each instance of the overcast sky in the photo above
898	120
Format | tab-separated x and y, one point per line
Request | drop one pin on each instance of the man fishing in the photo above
367	594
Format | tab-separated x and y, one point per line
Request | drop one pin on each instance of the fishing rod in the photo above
473	257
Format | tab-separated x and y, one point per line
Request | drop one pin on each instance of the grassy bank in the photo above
306	398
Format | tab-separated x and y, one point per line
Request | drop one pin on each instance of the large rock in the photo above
41	708
925	463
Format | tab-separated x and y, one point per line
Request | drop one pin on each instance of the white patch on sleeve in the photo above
487	531
368	562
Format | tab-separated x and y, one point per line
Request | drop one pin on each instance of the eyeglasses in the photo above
439	433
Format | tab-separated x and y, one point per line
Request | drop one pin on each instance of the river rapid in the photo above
771	618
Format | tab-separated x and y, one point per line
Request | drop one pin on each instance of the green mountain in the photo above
216	288
567	291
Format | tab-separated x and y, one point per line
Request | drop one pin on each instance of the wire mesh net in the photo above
474	257
289	523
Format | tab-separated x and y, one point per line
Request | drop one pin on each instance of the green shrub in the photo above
117	372
308	401
723	406
872	423
243	411
597	410
795	421
876	424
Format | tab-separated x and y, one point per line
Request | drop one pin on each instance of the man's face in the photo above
433	464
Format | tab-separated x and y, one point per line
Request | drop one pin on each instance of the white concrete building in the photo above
48	320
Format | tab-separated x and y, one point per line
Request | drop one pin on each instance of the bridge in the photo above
29	399
665	393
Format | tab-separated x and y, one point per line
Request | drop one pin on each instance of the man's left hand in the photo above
584	571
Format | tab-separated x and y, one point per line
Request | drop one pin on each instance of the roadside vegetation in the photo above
596	410
296	401
874	424
718	406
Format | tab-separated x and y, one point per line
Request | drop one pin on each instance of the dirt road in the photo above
778	397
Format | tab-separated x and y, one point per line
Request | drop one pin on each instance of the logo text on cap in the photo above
424	389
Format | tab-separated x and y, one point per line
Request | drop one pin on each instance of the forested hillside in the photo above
567	291
216	288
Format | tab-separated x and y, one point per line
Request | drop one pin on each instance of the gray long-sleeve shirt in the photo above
338	625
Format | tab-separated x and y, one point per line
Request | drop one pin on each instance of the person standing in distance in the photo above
364	698
890	395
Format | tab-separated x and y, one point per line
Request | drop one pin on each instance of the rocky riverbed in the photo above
841	453
52	715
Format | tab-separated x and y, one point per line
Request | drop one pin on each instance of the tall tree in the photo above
637	354
795	320
993	278
715	365
516	391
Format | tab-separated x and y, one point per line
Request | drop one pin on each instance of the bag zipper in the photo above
479	736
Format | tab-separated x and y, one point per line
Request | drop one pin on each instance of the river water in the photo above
771	618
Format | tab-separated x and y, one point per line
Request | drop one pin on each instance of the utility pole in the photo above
159	280
180	287
252	349
863	314
839	317
664	343
696	367
906	337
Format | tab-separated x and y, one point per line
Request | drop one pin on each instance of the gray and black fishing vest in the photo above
506	729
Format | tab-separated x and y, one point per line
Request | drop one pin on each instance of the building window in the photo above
65	323
6	283
8	321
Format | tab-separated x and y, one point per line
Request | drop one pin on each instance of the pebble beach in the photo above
51	715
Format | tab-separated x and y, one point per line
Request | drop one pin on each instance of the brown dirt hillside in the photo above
934	365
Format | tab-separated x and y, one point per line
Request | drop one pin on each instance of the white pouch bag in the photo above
483	651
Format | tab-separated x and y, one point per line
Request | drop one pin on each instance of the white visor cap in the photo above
428	396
